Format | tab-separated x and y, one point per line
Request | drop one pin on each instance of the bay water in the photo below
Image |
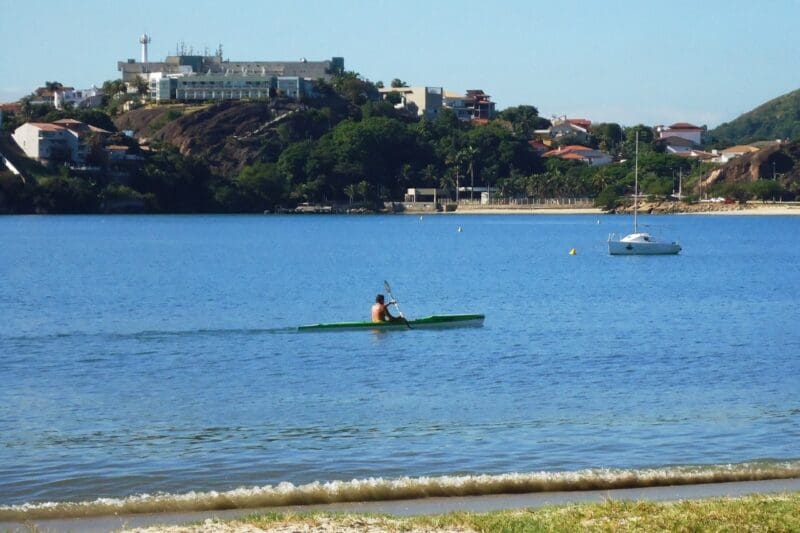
152	363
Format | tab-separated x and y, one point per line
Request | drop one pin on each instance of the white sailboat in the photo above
639	243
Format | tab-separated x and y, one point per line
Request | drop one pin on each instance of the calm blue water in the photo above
146	354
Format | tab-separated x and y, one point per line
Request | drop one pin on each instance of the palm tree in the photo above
467	155
141	84
350	190
447	183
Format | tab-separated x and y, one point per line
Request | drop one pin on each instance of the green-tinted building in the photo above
188	77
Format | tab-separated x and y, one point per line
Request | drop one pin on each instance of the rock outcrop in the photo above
781	161
228	135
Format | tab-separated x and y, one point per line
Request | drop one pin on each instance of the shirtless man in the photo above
380	312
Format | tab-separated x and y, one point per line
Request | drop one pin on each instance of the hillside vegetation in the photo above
350	149
777	119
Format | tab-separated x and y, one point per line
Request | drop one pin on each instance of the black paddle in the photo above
394	301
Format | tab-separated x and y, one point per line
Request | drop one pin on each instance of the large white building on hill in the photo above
186	76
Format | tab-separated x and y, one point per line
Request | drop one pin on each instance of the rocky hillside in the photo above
228	135
781	159
777	119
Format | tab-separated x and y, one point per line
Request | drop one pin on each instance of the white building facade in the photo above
47	143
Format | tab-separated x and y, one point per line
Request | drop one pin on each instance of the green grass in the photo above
751	513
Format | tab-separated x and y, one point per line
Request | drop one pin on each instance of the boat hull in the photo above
651	248
431	322
641	244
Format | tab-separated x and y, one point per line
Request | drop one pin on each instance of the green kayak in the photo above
431	322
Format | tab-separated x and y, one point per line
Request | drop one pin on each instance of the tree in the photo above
262	186
766	189
141	85
736	191
608	135
53	85
650	183
646	134
397	83
65	194
113	87
524	120
292	163
394	98
608	198
350	191
352	87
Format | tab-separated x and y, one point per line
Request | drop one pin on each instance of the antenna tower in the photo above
144	40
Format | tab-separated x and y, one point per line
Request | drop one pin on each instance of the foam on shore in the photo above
379	489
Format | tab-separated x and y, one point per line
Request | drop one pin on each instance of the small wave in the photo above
152	334
208	332
379	489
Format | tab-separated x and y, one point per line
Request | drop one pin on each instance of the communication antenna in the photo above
144	40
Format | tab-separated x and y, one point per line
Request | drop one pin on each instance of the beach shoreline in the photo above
419	507
750	209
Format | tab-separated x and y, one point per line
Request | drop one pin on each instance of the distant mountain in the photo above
777	119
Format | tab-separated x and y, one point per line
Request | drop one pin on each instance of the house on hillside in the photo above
422	101
539	146
677	145
697	154
723	156
475	105
562	126
47	143
684	130
63	141
61	97
584	154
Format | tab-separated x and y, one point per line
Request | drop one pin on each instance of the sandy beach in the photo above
754	209
758	209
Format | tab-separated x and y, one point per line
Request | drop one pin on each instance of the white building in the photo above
91	97
47	143
424	101
63	141
723	156
62	97
683	130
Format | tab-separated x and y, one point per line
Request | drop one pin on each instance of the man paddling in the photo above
380	312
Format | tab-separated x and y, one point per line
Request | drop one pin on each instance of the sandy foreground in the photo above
318	524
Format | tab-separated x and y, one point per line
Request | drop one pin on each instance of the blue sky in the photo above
704	62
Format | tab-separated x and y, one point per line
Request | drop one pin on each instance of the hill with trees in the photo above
777	119
349	148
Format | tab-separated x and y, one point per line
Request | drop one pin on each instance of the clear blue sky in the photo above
625	61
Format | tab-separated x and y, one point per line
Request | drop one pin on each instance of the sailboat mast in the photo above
636	186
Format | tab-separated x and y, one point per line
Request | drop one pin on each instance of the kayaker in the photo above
380	312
